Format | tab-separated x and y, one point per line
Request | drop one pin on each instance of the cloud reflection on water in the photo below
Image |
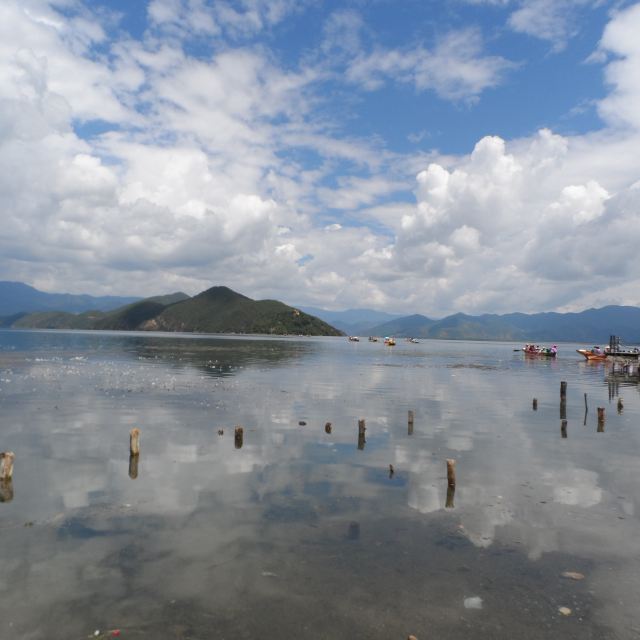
208	514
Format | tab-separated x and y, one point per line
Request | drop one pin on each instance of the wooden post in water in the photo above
451	472
238	437
134	441
6	464
535	404
133	466
600	419
563	400
563	429
410	423
563	390
620	405
327	427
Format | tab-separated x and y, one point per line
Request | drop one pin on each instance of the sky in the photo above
413	156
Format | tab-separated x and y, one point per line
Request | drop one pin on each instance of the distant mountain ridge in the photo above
216	310
352	321
591	325
17	297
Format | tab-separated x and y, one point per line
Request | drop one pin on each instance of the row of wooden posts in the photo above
7	458
563	410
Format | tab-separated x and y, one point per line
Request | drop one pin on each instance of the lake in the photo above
300	533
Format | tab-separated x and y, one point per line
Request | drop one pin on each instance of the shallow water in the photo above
304	534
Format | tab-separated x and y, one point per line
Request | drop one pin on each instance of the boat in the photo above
616	350
413	341
537	350
373	339
390	342
354	339
596	354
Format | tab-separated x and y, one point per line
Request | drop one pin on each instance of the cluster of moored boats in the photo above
613	350
388	340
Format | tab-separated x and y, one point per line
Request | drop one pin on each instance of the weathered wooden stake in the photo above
6	490
133	466
563	429
391	471
563	409
535	404
586	406
134	441
327	427
563	390
410	423
620	405
6	464
601	419
451	472
238	437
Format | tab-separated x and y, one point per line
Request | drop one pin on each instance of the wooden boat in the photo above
545	352
593	355
373	339
390	342
354	339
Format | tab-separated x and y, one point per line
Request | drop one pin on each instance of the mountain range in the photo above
216	310
220	309
592	325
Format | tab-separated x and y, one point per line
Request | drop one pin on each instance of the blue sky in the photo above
410	156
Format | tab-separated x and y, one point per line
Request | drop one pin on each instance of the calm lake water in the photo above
304	534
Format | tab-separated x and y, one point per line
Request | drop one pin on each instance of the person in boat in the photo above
597	350
554	349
